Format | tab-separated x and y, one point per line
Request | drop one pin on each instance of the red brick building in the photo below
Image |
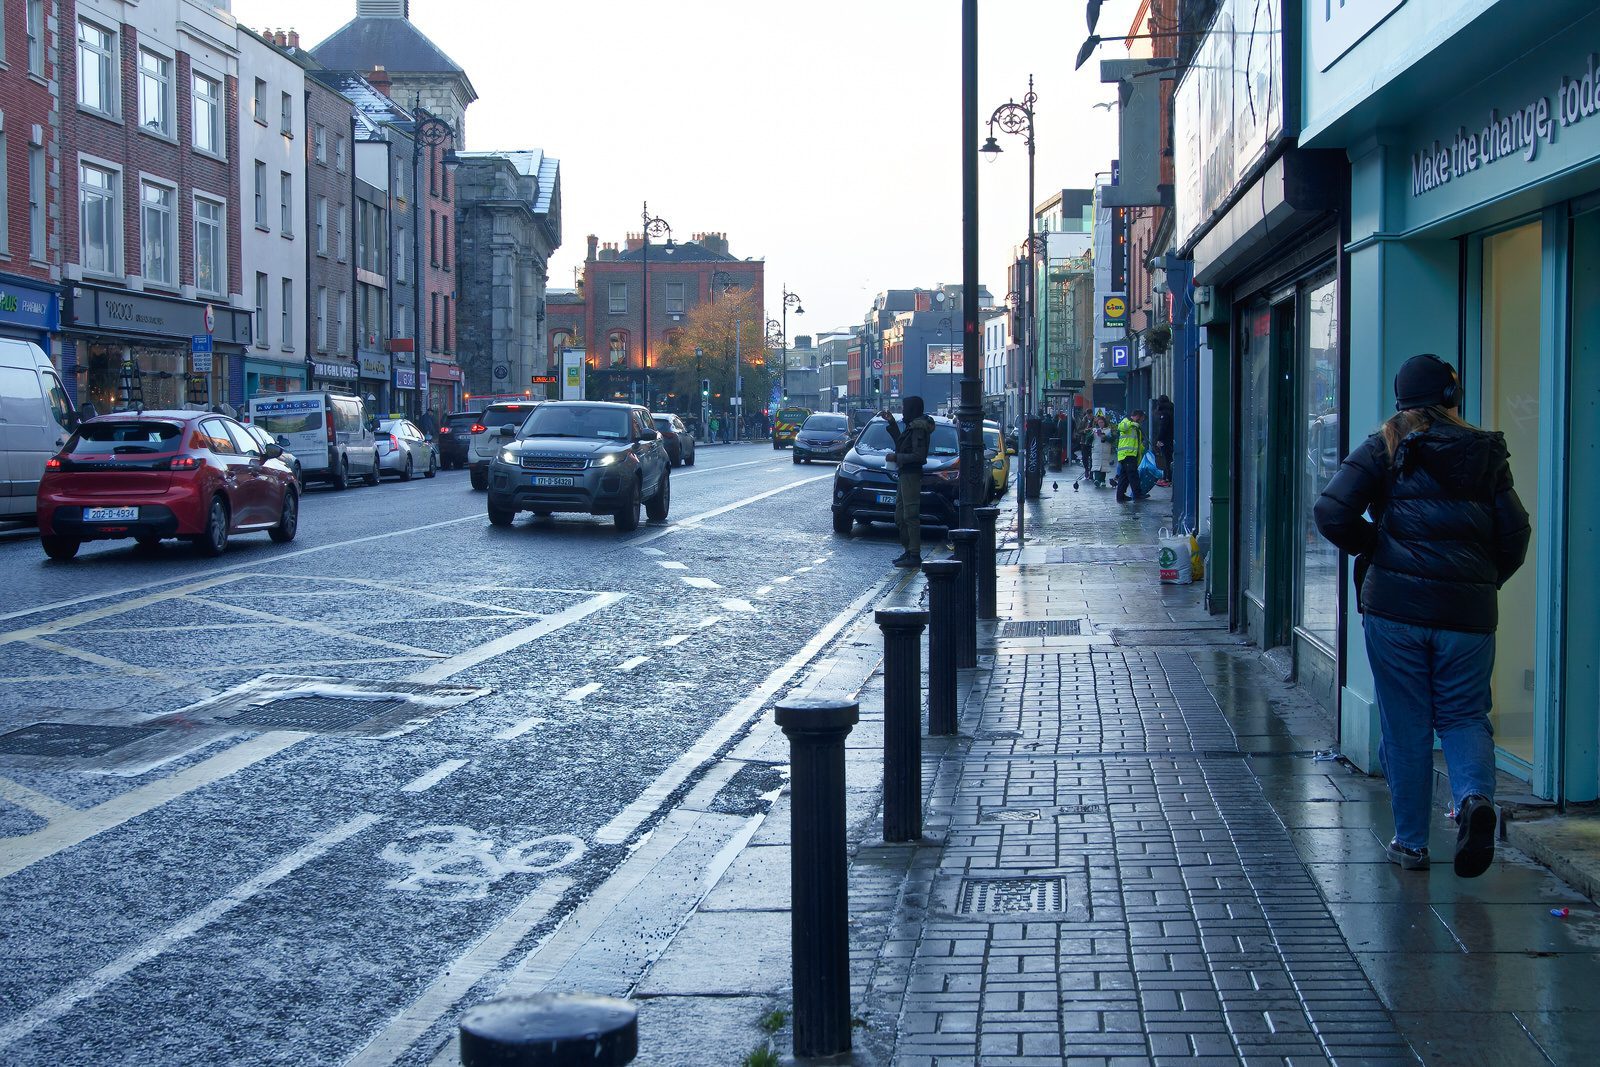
30	144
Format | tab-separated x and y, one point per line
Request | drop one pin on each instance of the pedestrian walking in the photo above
1164	437
1104	441
429	423
1130	449
716	426
1446	531
910	453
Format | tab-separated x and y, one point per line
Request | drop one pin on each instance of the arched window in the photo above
617	349
559	340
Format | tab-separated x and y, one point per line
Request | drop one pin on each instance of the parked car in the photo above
288	458
455	437
999	454
330	433
865	486
589	457
500	421
786	423
36	419
823	436
403	449
155	474
678	438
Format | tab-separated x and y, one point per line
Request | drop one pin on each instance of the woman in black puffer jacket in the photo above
1446	532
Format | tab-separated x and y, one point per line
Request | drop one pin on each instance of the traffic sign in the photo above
1119	354
877	363
200	353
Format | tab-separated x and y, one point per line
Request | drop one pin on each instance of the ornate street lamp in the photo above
652	226
789	300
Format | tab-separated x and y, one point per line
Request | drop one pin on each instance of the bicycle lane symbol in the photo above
461	864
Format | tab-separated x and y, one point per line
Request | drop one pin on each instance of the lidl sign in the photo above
1114	311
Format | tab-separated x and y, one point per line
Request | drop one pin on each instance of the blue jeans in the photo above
1427	681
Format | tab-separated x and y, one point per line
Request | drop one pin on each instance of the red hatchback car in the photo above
155	474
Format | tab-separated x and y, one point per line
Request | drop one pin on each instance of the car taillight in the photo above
478	427
53	463
184	463
394	442
444	429
331	436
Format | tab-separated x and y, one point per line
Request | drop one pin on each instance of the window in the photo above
36	38
97	67
433	321
287	339
433	238
619	298
444	240
36	194
322	319
258	103
322	225
286	203
401	244
433	173
261	310
215	434
341	322
261	195
402	316
448	346
5	201
338	152
155	92
100	219
674	298
339	233
286	116
207	114
209	274
158	233
319	143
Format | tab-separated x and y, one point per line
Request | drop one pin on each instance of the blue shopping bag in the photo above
1149	473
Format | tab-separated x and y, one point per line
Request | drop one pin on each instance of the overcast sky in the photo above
821	136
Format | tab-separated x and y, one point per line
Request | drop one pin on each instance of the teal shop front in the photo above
1475	234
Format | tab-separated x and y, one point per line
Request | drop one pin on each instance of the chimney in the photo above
294	38
593	242
635	242
714	242
380	79
279	39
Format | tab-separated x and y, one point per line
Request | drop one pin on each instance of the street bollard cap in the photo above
813	715
942	568
551	1030
963	535
988	511
901	618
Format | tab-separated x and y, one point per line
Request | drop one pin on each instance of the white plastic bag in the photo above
1174	555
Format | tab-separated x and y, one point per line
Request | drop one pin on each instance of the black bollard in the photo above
943	622
550	1029
819	905
902	721
966	550
988	607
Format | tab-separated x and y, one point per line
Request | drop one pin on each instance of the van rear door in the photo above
34	413
298	423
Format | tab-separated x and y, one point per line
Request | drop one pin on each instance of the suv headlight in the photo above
949	474
850	470
604	461
508	456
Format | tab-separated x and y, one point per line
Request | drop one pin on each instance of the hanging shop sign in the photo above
1114	311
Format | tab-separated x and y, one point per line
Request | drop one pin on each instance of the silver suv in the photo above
498	422
582	456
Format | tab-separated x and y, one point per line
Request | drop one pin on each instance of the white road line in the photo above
319	628
519	728
96	614
801	570
433	777
695	520
822	560
672	565
45	807
652	551
464	972
675	640
120	668
582	692
515	639
724	467
633	664
49	1010
764	590
785	578
709	620
737	605
624	823
697	582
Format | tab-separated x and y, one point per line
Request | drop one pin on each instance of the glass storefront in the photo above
1255	388
1317	381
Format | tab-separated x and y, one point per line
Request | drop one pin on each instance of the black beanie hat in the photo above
1422	382
911	406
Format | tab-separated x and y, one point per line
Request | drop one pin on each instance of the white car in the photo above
501	421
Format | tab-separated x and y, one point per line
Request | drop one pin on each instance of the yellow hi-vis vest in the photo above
1130	440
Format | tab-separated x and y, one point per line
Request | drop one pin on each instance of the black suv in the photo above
455	437
582	456
865	486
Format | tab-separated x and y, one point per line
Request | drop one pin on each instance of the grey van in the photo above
36	418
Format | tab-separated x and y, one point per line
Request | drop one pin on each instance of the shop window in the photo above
1318	379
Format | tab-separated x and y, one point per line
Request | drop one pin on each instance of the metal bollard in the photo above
966	550
819	905
550	1029
902	721
943	622
988	607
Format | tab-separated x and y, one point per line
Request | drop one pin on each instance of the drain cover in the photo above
351	707
315	713
1043	628
1012	815
1012	896
71	740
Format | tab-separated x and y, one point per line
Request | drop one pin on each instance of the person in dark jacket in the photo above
1446	532
1163	438
910	453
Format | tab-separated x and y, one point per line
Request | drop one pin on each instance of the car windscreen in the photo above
99	438
563	420
663	423
509	415
825	424
291	419
875	439
991	439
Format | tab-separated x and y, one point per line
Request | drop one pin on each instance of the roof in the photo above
369	102
530	163
392	43
681	252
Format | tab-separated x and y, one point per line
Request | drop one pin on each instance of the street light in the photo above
653	226
1017	119
944	333
431	131
789	300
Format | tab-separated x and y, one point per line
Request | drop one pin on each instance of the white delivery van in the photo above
327	432
36	418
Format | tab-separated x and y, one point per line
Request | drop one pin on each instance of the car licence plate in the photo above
886	498
553	479
110	514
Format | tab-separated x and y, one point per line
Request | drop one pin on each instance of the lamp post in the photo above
944	334
652	226
433	132
789	300
1014	118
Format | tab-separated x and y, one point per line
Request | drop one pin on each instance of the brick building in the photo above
30	151
330	200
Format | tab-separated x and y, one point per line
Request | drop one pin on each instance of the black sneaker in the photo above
1476	822
1409	859
908	559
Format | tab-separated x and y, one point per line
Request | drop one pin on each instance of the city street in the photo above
486	723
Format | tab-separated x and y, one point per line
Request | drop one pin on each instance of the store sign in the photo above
340	371
1514	134
1227	111
1336	26
123	311
27	307
1114	311
405	378
374	367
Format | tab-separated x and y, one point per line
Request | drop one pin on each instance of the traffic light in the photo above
705	387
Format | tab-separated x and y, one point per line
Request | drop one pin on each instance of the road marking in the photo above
625	822
695	520
672	565
515	639
675	640
464	972
121	607
785	578
120	668
652	551
318	628
697	582
520	728
47	808
709	620
764	590
633	664
433	777
53	1008
578	695
824	559
801	570
460	863
723	467
737	605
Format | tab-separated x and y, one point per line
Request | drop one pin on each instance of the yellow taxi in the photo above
999	457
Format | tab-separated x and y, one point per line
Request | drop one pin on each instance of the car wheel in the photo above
690	461
628	515
501	516
288	519
842	523
776	447
433	466
480	479
657	508
406	473
215	538
341	475
60	549
376	475
797	460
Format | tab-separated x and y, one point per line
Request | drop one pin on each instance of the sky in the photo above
823	136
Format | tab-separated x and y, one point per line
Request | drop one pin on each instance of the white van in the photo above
327	432
36	418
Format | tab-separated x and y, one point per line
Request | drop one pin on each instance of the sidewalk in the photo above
1139	849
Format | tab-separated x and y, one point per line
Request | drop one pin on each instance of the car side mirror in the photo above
273	451
1011	450
649	435
508	430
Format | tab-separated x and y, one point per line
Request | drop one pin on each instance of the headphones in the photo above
1452	395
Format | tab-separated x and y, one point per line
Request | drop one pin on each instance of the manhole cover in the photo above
1012	896
1043	628
1012	815
66	739
315	713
